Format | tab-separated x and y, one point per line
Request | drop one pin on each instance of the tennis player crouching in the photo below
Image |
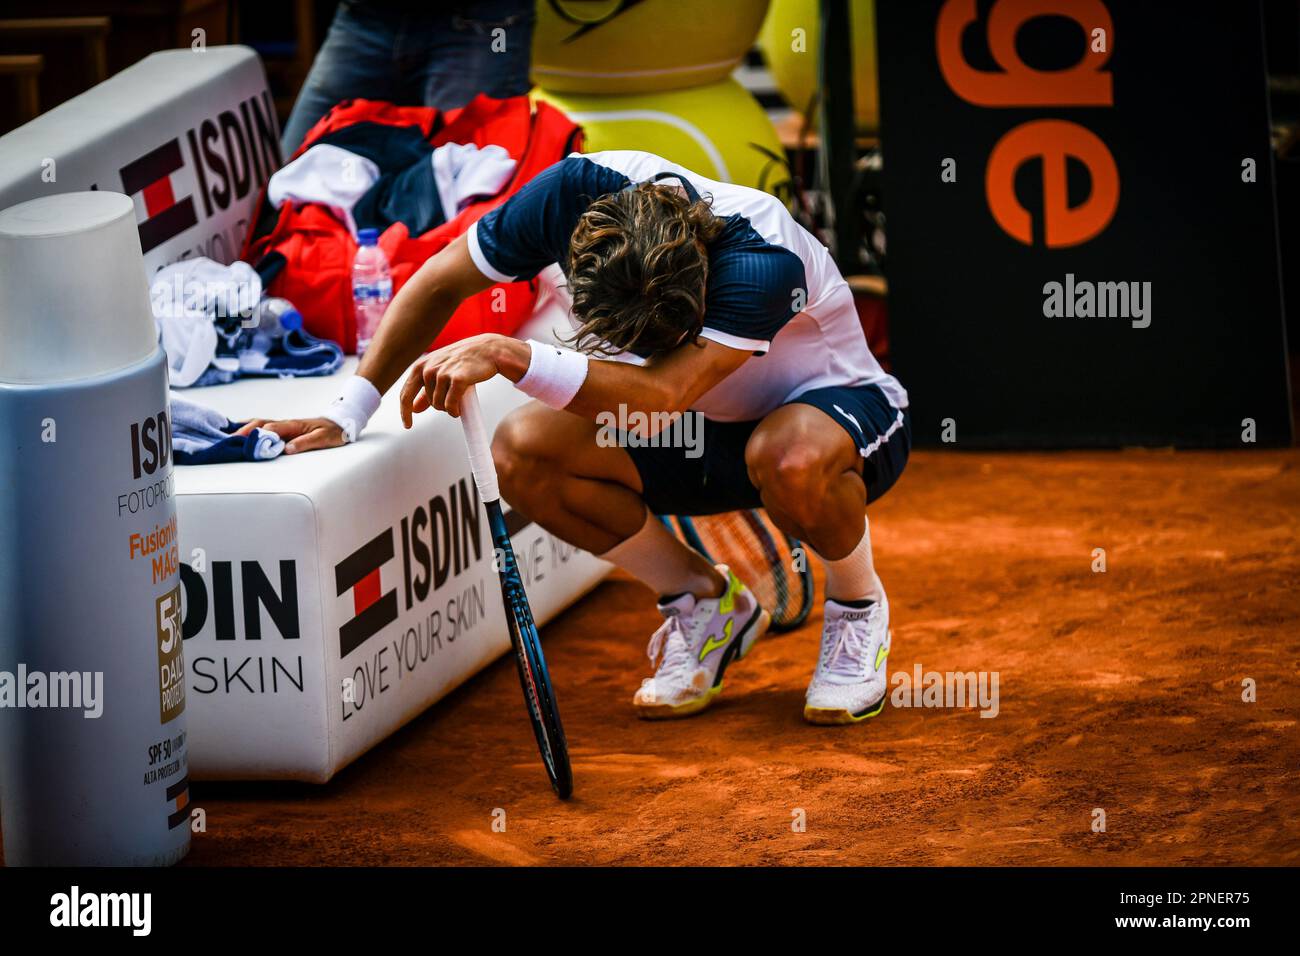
741	315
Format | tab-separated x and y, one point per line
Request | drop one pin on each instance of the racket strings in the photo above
761	556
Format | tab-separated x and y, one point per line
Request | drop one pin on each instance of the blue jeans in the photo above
413	56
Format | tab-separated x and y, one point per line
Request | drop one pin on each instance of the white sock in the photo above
853	577
659	558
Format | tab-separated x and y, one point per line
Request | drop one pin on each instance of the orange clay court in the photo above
1119	690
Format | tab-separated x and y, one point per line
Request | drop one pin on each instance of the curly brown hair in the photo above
637	270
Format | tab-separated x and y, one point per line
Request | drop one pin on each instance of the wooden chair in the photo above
26	71
93	32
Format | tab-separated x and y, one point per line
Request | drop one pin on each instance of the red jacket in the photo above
318	249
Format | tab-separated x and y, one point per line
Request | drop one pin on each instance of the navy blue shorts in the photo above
717	479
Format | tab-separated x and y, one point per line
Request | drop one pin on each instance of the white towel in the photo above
327	175
463	172
185	296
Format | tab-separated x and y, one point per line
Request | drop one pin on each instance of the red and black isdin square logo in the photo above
150	177
359	573
439	539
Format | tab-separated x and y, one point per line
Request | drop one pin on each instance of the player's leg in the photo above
817	463
471	49
553	469
809	474
566	475
355	61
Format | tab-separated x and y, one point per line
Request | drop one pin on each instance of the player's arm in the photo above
514	241
669	383
415	317
419	313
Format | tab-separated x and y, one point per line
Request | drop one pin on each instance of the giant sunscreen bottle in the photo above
93	767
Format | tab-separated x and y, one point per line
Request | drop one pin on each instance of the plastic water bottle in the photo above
272	318
372	286
275	316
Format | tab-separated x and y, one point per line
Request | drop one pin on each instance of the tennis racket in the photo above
771	563
527	644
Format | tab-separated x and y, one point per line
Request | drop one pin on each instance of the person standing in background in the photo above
416	53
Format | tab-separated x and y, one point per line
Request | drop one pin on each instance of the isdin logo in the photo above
151	445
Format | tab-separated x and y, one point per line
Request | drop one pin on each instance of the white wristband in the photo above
554	374
351	411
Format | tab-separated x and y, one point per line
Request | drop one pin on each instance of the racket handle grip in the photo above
480	450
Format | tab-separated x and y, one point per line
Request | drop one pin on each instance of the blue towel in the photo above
247	352
203	436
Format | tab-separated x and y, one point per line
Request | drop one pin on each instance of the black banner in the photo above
1082	237
976	909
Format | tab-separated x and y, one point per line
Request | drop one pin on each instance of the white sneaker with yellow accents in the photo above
694	645
851	679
